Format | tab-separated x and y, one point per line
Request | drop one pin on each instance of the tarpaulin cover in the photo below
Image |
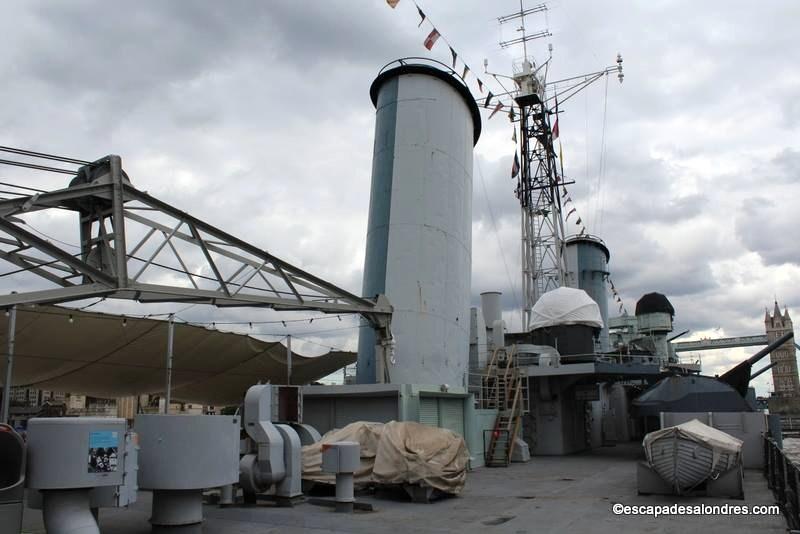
109	356
397	453
565	306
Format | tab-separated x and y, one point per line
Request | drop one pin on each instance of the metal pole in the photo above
170	336
289	360
118	215
12	327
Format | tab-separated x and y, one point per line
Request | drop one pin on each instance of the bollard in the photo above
342	458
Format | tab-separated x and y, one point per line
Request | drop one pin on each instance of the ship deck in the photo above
548	494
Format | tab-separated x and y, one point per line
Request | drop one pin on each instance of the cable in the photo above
32	267
257	333
600	190
49	237
37	167
43	155
303	320
496	233
23	187
320	344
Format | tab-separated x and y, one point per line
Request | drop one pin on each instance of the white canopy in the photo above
91	353
565	306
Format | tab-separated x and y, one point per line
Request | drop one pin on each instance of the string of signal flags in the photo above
433	36
579	221
493	103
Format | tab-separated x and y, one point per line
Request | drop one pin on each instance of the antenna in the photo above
541	174
521	14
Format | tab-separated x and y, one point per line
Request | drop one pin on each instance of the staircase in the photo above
504	388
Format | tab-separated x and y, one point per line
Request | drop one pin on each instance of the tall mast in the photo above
539	181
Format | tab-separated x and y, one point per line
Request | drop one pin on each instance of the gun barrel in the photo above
763	370
769	348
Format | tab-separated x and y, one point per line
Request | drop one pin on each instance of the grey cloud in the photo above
255	116
763	224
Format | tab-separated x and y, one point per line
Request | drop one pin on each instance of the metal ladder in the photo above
506	390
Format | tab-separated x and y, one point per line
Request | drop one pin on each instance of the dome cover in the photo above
654	303
565	306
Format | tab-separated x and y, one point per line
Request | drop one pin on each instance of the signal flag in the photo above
515	166
431	39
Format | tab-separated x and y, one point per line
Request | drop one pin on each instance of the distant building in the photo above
32	397
75	403
785	379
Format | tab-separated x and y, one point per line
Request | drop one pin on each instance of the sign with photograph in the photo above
103	450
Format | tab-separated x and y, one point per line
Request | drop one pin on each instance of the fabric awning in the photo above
94	354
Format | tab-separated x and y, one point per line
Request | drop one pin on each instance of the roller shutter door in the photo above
429	411
451	415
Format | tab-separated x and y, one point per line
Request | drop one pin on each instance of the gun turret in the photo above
739	376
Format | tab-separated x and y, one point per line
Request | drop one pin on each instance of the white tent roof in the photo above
96	355
565	306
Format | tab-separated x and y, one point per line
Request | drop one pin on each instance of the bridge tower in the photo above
784	375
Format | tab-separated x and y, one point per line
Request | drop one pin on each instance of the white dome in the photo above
565	306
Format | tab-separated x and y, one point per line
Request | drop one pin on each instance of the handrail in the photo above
515	421
783	478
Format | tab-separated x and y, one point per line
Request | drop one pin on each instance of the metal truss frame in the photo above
542	252
112	263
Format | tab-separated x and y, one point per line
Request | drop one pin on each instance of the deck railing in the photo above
783	478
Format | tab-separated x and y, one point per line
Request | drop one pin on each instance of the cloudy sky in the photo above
255	116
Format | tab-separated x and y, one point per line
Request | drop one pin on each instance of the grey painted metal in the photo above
12	331
429	411
289	359
419	230
343	458
170	345
100	270
118	221
226	495
587	268
763	370
273	451
491	306
292	482
12	480
750	427
721	343
478	341
451	415
174	508
344	493
187	452
67	511
106	496
308	434
58	452
374	281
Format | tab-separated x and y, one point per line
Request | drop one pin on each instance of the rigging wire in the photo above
497	234
23	187
36	167
42	155
603	160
